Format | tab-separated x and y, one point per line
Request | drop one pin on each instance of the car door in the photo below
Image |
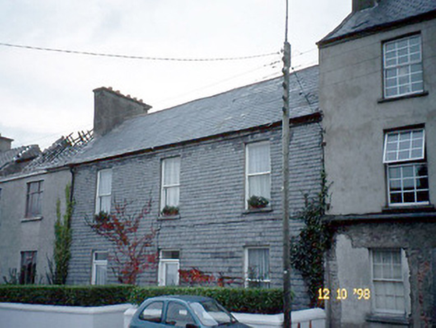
149	317
178	315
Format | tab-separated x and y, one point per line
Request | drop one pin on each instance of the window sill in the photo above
168	217
388	319
409	208
408	96
38	218
258	210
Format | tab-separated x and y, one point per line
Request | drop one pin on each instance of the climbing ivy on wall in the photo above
307	250
63	237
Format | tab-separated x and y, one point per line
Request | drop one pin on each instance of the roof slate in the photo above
9	158
385	12
247	107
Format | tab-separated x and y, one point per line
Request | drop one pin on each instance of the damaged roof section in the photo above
29	159
60	152
247	107
15	160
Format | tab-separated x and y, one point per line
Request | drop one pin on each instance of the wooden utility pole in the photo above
287	302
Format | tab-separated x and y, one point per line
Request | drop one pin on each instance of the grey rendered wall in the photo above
354	120
213	228
353	242
18	234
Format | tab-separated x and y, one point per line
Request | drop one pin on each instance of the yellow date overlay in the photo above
342	294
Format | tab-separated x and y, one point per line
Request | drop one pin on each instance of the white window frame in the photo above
164	186
98	196
98	263
403	281
253	174
246	266
162	267
414	156
398	64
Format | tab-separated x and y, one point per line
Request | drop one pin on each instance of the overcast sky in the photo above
44	95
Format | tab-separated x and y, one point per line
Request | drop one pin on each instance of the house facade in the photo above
377	92
30	186
200	162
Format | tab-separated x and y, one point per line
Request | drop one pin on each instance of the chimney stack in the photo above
111	108
363	4
5	143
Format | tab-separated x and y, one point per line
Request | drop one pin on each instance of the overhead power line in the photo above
87	53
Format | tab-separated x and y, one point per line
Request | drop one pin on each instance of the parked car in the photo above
183	311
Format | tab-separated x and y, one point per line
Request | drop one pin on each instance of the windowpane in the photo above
104	190
152	312
401	57
258	180
33	199
259	158
99	268
169	265
171	274
178	315
170	182
257	271
171	171
408	184
404	146
28	267
389	295
259	185
105	182
170	255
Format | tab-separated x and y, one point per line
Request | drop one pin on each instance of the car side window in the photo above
178	315
152	312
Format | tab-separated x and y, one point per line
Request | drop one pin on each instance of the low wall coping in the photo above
66	309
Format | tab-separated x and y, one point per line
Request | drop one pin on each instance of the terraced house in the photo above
204	159
378	96
31	183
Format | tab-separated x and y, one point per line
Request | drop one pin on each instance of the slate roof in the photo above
12	160
384	13
243	108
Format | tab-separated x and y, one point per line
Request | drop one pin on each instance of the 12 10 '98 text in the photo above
342	294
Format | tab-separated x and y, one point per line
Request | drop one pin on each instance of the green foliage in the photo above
250	300
66	295
170	210
307	252
13	278
63	237
257	202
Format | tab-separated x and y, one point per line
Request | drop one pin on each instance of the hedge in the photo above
251	300
66	295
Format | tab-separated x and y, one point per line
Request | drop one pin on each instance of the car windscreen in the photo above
211	313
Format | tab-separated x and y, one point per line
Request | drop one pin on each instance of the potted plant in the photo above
256	202
170	210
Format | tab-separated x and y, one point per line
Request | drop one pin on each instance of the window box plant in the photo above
170	210
257	202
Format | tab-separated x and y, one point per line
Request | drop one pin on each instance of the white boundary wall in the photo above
18	315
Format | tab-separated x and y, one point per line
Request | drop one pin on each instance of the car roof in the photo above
186	298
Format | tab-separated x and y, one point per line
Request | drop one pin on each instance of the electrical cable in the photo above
76	52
